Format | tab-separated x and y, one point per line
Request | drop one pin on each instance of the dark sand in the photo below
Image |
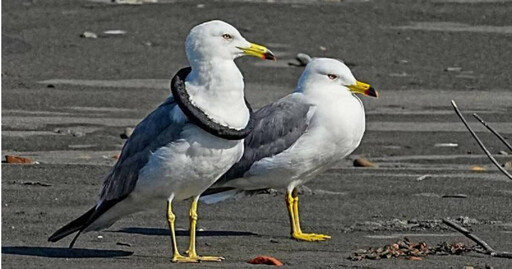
91	89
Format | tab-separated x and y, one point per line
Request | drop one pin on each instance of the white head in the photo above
218	39
326	75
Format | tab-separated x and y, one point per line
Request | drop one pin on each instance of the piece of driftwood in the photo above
480	143
500	137
488	249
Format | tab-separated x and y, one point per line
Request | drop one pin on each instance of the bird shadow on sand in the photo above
60	252
165	232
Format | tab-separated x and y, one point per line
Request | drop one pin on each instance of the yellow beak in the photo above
258	51
363	88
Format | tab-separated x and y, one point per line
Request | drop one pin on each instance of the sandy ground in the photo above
66	99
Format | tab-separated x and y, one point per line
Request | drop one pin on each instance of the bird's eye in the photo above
227	36
332	77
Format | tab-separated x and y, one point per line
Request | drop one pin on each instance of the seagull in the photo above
184	145
299	136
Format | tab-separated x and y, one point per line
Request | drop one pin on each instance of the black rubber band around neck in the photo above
199	117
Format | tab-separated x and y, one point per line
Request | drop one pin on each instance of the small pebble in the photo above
89	35
18	159
266	260
477	168
128	131
363	162
453	69
446	145
78	133
114	32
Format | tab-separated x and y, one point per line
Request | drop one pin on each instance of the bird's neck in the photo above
339	113
216	86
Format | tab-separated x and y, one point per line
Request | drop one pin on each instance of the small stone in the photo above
446	145
303	58
128	131
477	168
100	236
266	260
507	165
200	5
322	48
51	86
114	32
363	162
453	69
273	241
18	159
504	153
89	35
78	133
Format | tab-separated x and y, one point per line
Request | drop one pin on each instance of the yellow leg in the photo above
289	205
192	254
297	233
176	256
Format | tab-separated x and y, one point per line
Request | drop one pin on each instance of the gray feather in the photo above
277	127
155	131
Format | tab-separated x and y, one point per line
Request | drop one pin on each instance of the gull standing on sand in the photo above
299	136
185	144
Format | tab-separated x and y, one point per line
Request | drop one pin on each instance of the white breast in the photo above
335	131
188	166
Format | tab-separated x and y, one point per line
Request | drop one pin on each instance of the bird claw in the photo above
185	259
310	237
210	258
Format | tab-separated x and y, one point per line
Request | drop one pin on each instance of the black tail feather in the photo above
77	225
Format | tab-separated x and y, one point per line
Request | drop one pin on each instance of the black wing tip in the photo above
76	225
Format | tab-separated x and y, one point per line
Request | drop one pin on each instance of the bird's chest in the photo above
188	166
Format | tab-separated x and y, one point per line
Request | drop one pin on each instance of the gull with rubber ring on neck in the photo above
185	144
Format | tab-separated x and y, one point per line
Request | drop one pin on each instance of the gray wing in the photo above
156	130
277	127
